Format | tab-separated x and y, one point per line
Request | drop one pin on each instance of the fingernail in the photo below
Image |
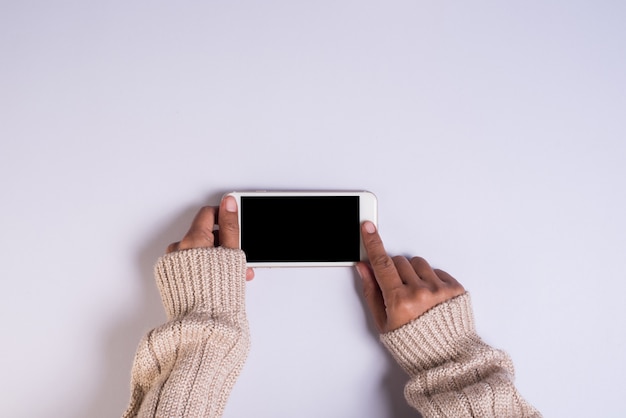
358	270
230	204
369	227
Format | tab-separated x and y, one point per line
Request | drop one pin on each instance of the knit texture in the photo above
453	373
188	366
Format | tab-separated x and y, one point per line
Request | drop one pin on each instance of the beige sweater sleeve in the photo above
188	366
453	373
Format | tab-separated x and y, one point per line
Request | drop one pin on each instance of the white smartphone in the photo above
304	229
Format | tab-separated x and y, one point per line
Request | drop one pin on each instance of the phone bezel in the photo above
368	211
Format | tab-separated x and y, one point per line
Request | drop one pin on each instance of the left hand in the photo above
202	235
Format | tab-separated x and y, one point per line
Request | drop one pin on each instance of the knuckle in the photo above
439	288
382	261
230	226
445	274
373	242
407	307
420	294
456	288
402	302
419	261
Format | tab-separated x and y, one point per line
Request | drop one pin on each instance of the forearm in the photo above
452	371
187	367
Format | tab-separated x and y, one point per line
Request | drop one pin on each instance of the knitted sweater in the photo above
187	366
452	372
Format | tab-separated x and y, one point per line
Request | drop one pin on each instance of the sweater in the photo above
453	373
188	366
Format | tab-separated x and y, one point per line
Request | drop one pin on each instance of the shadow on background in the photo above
121	340
395	378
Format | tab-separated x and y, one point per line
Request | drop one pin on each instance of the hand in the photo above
397	290
201	233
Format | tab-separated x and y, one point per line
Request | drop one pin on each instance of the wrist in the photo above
206	280
440	335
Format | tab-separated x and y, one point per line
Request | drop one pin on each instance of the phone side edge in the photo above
368	208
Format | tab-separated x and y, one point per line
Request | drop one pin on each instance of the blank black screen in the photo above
306	229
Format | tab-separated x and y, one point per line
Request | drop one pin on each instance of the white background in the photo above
493	134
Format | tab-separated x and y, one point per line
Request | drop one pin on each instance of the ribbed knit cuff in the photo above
209	280
438	336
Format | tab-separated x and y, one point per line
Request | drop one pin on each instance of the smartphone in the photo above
304	229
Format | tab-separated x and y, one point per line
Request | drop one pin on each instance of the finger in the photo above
373	295
452	284
172	247
444	276
200	233
229	223
405	270
425	271
384	269
249	273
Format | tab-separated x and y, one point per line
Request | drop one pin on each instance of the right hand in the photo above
397	290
